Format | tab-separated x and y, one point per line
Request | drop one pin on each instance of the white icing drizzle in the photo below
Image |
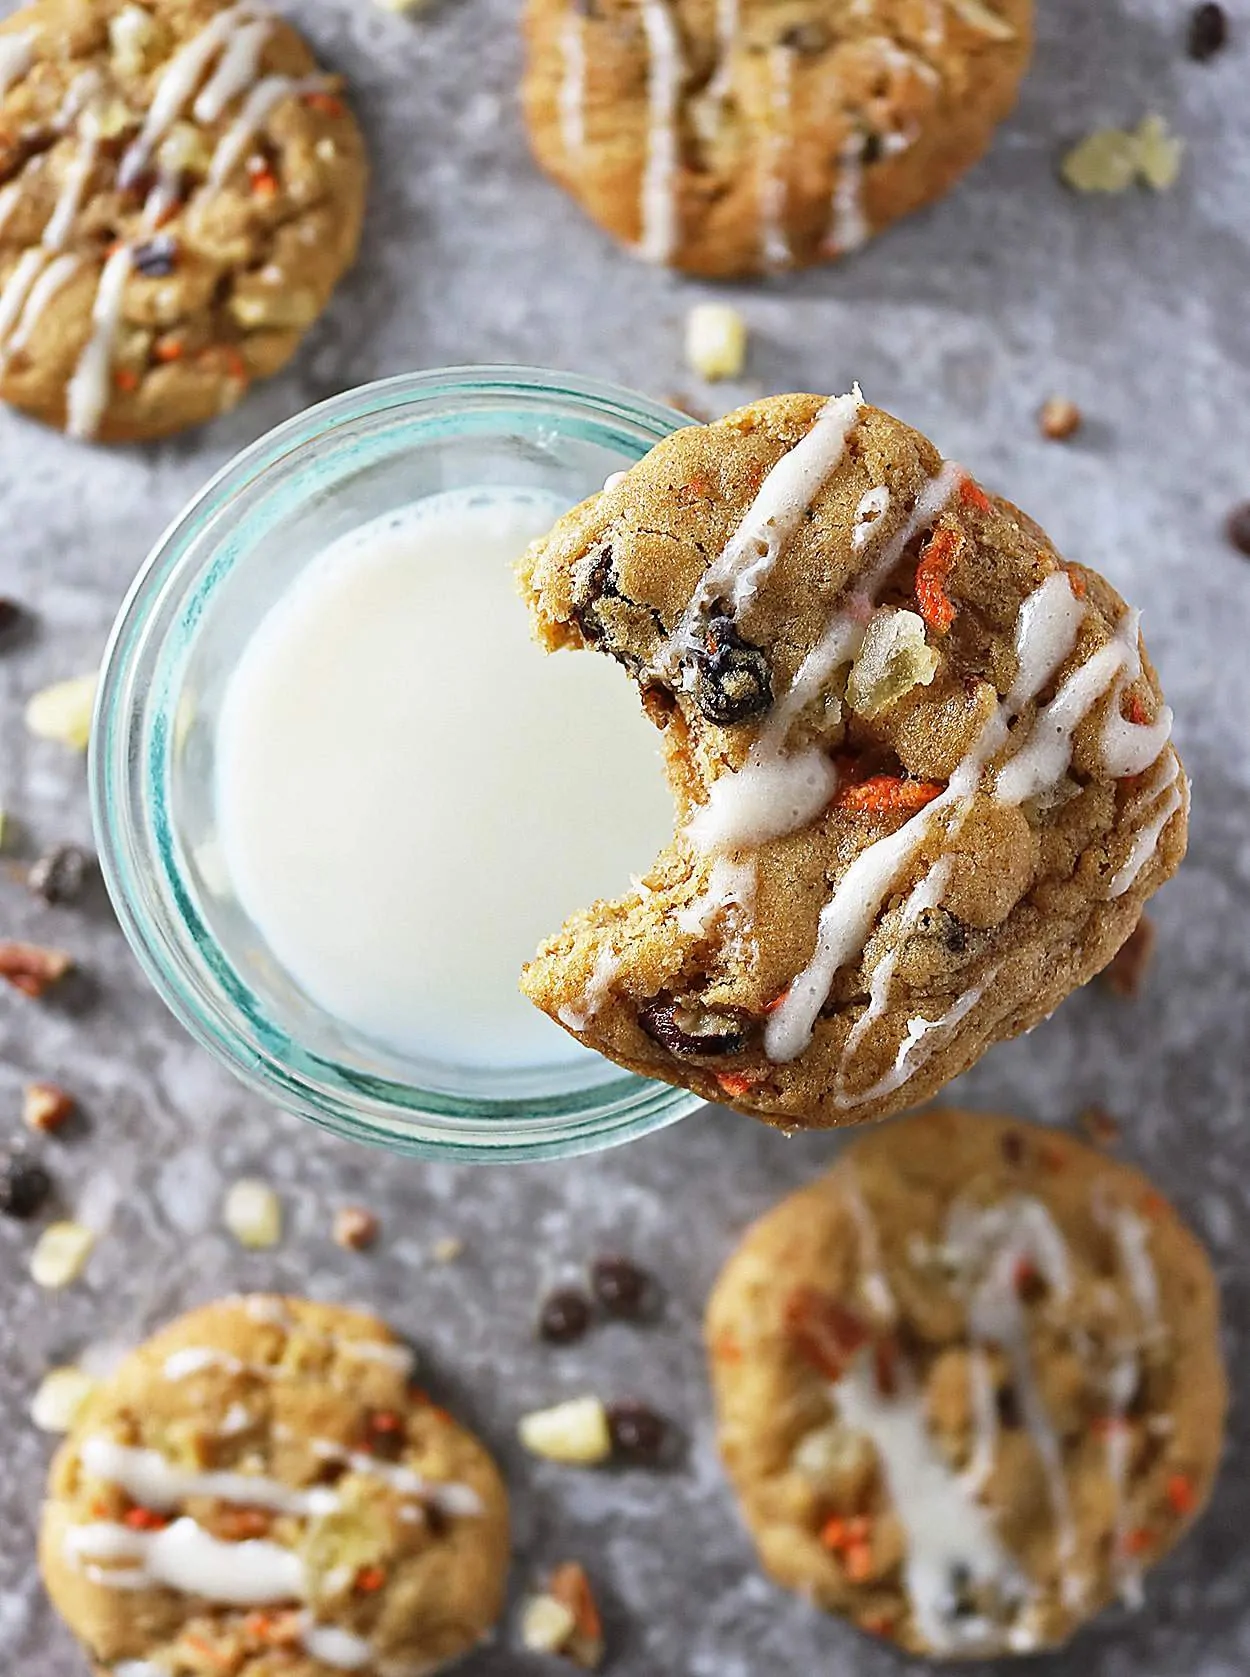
178	82
571	98
17	287
1132	1238
1131	747
935	25
447	1495
1117	1446
598	986
726	39
921	1040
61	222
984	1404
1046	754
992	1242
848	226
139	1668
659	203
183	1556
88	389
774	185
872	504
195	1359
263	99
401	1358
1046	632
151	1480
873	1283
237	69
335	1647
54	277
730	884
1168	779
947	1533
269	1308
737	572
10	196
17	54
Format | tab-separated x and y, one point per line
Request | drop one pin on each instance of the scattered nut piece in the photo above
1059	419
546	1625
61	1395
1238	528
576	1432
62	712
59	875
253	1214
1127	970
448	1249
61	1254
131	32
716	340
1159	153
355	1228
1099	1126
977	15
570	1588
894	658
45	1107
1208	31
33	970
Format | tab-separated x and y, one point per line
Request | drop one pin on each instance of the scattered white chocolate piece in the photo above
575	1432
253	1214
61	1395
716	340
61	1254
62	712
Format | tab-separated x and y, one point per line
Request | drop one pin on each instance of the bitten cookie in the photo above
180	192
739	136
261	1488
921	765
968	1384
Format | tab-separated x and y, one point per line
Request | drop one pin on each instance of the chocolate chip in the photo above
1013	1148
732	680
872	150
620	1286
638	1433
156	258
24	1186
11	614
59	876
690	1030
1239	528
564	1317
1208	31
594	580
1008	1407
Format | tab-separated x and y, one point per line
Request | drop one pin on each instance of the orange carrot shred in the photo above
972	495
937	560
877	1624
726	1349
126	379
858	1563
370	1579
1137	712
833	1534
1076	582
1181	1494
739	1083
570	1586
1154	1205
824	1331
772	1006
1138	1541
887	794
326	103
144	1519
171	349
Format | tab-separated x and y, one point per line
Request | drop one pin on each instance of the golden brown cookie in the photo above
969	1384
261	1489
739	136
921	765
180	192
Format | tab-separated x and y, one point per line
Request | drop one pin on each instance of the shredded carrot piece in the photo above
824	1331
1181	1493
877	1624
1024	1275
858	1563
739	1083
385	1420
1076	582
1139	1541
236	1524
887	794
234	363
698	488
937	560
144	1519
326	103
264	185
726	1349
972	495
126	379
1051	1155
170	349
1137	712
1154	1205
772	1006
570	1586
1108	1426
370	1579
834	1534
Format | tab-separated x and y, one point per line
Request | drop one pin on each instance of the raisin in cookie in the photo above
922	766
180	191
738	136
968	1384
261	1488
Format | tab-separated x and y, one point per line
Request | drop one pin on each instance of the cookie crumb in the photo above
448	1249
62	712
59	875
575	1432
1126	972
61	1254
716	341
253	1214
1208	32
61	1395
1238	528
45	1107
31	969
1099	1126
1059	419
355	1228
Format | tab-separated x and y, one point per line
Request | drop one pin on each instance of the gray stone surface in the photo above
961	321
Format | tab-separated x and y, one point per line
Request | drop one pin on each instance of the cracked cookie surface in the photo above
742	136
260	1488
180	192
922	767
968	1384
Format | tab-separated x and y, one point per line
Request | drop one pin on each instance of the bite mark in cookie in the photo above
922	770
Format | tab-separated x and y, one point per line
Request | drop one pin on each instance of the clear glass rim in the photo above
401	1118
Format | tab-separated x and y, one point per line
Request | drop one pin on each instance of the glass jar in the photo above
190	612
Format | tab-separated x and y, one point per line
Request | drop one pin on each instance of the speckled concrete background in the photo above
962	321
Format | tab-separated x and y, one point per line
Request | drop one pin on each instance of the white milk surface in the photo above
411	794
